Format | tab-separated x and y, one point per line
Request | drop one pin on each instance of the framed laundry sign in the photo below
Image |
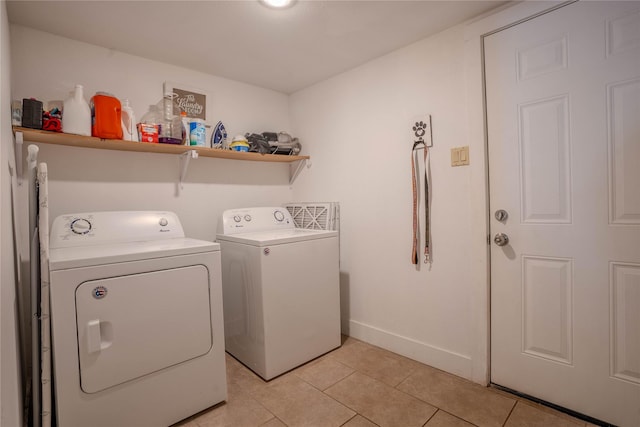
190	100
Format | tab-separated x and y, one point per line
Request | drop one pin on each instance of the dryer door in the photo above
131	326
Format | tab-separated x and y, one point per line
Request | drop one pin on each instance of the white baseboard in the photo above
449	361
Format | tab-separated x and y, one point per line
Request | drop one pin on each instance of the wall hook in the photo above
422	133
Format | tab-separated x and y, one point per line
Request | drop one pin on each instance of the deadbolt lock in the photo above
501	215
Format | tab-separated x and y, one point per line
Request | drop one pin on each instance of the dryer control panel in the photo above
255	219
92	228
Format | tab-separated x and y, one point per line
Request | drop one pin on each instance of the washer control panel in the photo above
255	219
92	228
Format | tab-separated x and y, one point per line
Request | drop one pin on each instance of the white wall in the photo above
10	390
47	67
357	129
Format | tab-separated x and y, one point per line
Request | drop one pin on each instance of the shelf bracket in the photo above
295	168
19	141
184	165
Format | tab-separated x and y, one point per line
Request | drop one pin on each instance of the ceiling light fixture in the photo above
278	4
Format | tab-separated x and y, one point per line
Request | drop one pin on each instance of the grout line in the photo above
345	423
336	400
510	412
375	424
411	372
274	417
431	417
456	417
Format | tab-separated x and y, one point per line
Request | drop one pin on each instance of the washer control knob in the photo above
247	217
80	226
163	222
278	215
237	218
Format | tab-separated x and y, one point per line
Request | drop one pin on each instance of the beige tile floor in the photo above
360	385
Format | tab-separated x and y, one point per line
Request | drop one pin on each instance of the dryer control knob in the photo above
237	218
163	222
247	217
279	216
80	226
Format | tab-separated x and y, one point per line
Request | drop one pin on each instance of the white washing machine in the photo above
281	290
136	311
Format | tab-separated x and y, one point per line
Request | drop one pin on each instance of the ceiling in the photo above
284	50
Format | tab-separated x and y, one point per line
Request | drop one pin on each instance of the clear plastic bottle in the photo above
152	116
171	124
149	124
185	127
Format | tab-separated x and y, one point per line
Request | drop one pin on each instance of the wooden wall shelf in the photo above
186	152
58	138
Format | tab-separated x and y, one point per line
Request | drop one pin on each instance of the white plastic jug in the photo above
76	114
129	132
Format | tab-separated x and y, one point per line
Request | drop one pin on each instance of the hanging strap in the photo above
420	145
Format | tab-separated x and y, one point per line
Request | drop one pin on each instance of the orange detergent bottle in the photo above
106	116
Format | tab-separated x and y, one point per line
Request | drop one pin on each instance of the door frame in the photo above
474	34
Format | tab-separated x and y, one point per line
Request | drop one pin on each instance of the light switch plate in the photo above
460	156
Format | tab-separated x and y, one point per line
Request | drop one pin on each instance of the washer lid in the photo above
276	237
84	256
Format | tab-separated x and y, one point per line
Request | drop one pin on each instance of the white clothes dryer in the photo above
137	327
281	290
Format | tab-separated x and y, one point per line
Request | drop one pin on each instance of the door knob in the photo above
501	239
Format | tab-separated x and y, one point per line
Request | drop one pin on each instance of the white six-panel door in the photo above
563	120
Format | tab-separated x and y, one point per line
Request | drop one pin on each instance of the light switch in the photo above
464	155
455	157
